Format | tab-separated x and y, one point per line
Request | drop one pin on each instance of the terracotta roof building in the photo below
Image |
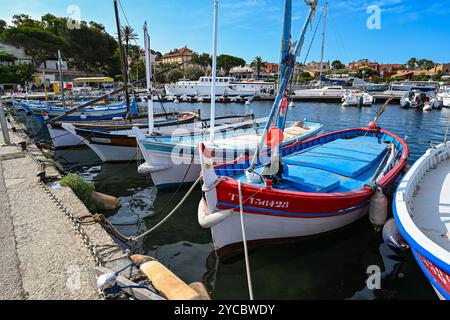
178	56
364	63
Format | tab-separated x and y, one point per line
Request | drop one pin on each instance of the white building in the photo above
242	73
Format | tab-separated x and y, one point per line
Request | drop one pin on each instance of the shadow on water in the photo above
332	267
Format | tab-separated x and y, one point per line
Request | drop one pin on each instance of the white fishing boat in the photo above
422	211
357	99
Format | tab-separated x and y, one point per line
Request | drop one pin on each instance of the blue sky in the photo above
248	28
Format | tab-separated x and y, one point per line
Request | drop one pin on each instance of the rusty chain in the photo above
92	247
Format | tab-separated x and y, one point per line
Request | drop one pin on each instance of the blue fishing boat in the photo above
46	111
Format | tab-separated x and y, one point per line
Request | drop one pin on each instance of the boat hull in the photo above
62	139
260	229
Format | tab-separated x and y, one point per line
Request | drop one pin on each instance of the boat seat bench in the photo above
349	158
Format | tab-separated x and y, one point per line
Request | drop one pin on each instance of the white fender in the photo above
378	209
210	179
207	220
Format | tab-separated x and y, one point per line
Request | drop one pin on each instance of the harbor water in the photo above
331	267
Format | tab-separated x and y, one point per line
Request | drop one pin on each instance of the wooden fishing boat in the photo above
422	210
118	143
43	111
301	189
327	183
61	138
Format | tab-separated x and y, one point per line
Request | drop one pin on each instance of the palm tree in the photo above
258	63
128	35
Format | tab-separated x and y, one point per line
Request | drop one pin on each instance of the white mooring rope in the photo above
244	240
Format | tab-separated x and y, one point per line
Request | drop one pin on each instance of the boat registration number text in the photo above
254	201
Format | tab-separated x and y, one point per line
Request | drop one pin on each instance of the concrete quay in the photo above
44	257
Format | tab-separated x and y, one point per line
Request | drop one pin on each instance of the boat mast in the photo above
61	81
284	84
214	74
148	66
323	41
285	38
122	57
285	46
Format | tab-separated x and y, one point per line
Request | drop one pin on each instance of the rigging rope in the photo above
244	241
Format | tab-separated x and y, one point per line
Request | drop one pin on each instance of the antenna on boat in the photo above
323	41
214	74
148	66
123	61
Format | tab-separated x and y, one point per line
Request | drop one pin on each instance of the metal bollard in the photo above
4	125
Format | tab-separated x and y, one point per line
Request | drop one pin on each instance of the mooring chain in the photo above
92	247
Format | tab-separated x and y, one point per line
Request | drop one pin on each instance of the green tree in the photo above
128	35
38	43
366	73
227	62
422	77
25	20
258	63
305	77
6	57
94	50
412	63
193	73
19	73
174	75
337	65
203	60
425	64
137	70
3	26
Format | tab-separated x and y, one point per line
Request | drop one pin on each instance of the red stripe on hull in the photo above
440	276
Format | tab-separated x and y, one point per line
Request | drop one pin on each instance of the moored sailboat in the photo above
297	190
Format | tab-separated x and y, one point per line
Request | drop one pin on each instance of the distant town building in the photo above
363	63
388	70
178	56
444	68
242	73
315	66
271	68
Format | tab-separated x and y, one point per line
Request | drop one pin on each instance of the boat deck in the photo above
431	205
342	165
